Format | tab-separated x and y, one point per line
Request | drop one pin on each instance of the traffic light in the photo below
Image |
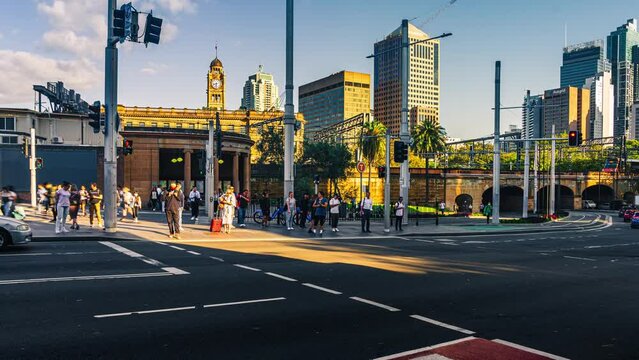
39	163
574	138
381	171
25	147
316	179
119	22
400	153
94	115
152	29
127	147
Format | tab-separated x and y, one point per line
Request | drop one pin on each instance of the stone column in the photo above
236	171
187	171
247	172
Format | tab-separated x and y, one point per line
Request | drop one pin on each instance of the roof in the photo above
216	62
413	31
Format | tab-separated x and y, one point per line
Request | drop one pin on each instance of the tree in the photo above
372	142
270	146
328	160
429	138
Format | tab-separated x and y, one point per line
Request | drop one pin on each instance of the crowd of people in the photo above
67	201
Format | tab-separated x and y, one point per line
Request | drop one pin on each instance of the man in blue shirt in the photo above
320	204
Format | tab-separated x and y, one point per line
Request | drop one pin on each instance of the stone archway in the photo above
511	198
564	198
464	203
599	193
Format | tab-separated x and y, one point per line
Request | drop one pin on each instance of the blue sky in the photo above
48	40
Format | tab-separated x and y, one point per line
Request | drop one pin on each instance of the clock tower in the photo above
215	85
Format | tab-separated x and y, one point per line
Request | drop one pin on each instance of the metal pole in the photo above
387	186
32	168
496	146
404	135
289	115
536	178
110	133
552	174
524	212
210	169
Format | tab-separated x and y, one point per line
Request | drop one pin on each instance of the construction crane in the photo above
443	8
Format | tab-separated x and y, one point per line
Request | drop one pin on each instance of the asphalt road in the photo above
571	294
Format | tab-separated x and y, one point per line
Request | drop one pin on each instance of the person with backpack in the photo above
95	204
488	212
75	202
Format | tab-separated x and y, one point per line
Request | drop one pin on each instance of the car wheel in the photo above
5	238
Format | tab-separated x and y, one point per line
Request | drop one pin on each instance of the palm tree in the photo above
371	143
429	138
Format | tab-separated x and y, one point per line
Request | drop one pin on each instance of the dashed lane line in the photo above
216	258
193	252
441	324
246	267
244	302
578	258
148	260
177	248
370	302
280	276
320	288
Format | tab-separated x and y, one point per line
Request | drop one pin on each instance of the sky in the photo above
51	40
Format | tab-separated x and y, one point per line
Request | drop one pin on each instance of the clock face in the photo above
216	83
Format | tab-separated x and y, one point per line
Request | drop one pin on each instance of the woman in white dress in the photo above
228	202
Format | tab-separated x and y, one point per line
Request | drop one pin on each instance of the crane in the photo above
443	8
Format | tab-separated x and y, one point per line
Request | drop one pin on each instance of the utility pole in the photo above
404	135
496	145
32	166
210	172
536	179
387	186
289	114
524	213
552	173
110	132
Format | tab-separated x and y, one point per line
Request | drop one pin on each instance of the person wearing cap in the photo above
172	207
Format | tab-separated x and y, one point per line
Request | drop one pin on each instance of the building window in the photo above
179	126
8	123
166	125
154	124
191	126
129	124
141	124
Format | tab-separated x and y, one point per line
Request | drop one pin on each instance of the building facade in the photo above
423	78
331	100
568	109
532	123
582	61
620	45
602	107
260	92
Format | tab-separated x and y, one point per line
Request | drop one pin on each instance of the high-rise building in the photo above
582	61
332	99
567	108
423	77
634	122
260	92
602	107
620	44
532	122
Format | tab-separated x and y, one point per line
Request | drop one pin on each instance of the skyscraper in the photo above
423	78
532	123
582	61
260	92
602	108
567	108
332	99
620	44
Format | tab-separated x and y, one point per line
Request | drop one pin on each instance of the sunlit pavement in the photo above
272	295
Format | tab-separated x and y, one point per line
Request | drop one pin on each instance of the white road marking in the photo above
527	349
216	258
83	278
432	347
322	289
444	325
121	249
424	240
579	258
161	243
370	302
175	271
176	247
443	239
280	276
246	267
152	262
144	312
475	242
244	302
31	254
193	252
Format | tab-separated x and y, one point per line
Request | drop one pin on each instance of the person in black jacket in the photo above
304	205
265	206
174	200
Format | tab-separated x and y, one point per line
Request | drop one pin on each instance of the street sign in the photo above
361	167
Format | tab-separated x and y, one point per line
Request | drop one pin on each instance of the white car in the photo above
14	232
588	204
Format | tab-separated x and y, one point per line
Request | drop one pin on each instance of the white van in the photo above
588	204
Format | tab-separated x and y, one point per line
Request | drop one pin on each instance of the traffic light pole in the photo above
387	185
404	135
32	167
110	132
524	211
289	114
552	173
210	175
496	145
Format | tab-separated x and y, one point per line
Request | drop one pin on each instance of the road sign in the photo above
361	167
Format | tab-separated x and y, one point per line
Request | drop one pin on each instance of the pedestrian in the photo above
228	202
312	228
481	208
366	207
127	202
154	198
75	202
162	197
172	205
304	210
265	206
8	200
442	207
84	197
51	193
137	205
243	201
319	217
216	200
399	213
181	209
62	202
194	202
334	211
95	202
43	202
291	208
488	212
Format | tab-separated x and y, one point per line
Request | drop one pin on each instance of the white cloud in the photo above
153	68
174	6
22	69
169	32
1	36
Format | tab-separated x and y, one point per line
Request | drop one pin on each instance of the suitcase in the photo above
216	225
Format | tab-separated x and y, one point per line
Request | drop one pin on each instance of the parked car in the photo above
14	232
604	206
588	204
634	222
628	215
622	211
